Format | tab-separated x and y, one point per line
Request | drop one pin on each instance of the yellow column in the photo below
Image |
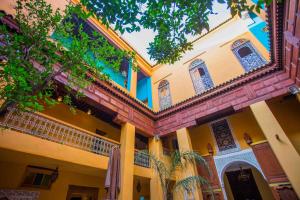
156	191
133	83
285	152
127	161
298	96
185	144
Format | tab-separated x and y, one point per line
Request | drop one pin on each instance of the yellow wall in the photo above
50	150
287	113
12	175
145	188
57	153
262	185
220	61
83	120
200	137
242	122
227	188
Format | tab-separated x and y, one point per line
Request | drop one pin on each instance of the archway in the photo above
243	181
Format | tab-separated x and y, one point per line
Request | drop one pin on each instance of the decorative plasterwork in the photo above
224	161
164	94
231	139
248	55
200	76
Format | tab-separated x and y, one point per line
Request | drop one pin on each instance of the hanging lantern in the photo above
243	176
138	186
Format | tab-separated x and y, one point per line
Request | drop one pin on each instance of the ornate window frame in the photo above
240	43
237	148
206	78
163	105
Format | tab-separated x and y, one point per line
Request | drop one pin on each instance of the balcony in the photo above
141	159
48	128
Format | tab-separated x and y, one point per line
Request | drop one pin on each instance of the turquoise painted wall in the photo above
149	83
114	75
129	75
141	91
255	1
144	90
257	29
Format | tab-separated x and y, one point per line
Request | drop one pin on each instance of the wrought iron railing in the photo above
141	158
49	129
53	130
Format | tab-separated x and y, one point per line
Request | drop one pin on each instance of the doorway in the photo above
243	189
244	182
82	193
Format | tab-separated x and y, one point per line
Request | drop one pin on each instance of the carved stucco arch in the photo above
245	156
222	162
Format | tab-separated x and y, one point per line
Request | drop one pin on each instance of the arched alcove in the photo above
222	162
242	181
164	94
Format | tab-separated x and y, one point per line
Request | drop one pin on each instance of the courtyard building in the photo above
234	99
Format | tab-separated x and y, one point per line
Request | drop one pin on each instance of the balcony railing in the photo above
50	129
141	158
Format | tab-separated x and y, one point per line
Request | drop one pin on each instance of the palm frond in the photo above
160	168
188	183
192	156
176	160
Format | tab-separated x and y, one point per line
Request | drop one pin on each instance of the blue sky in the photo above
140	40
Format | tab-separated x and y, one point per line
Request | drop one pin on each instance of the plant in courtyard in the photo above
171	20
31	60
179	162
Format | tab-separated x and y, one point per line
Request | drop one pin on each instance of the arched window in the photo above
200	76
247	55
164	95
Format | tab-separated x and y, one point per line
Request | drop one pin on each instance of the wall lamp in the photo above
294	89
